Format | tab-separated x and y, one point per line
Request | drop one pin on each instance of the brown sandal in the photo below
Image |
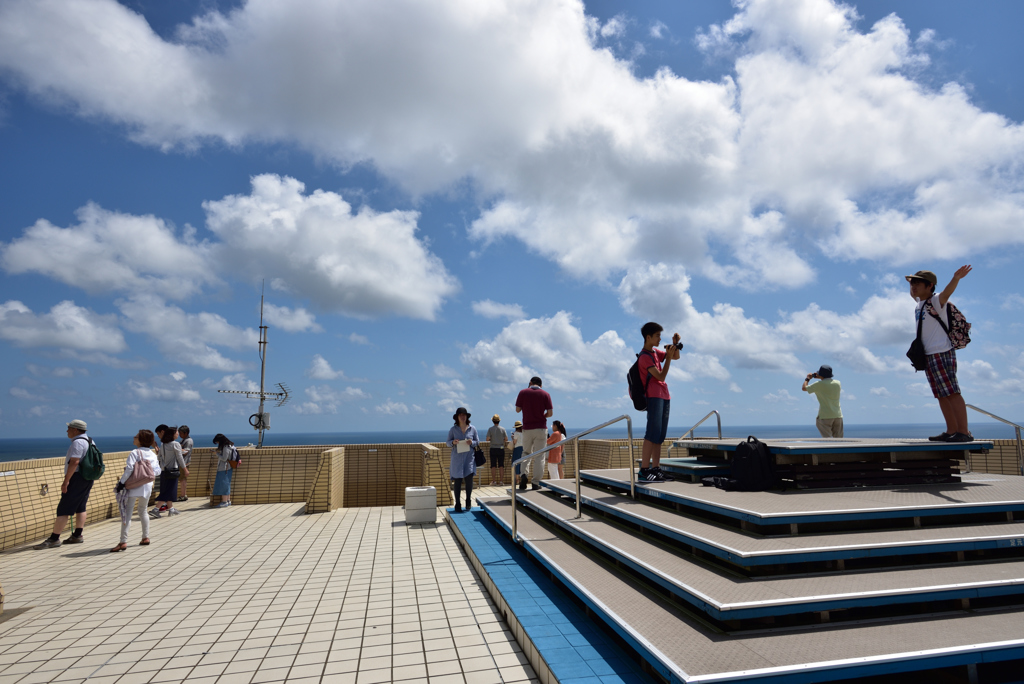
119	547
144	542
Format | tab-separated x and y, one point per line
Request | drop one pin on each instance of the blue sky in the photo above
445	203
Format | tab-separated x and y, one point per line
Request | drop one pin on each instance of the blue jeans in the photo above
657	420
517	453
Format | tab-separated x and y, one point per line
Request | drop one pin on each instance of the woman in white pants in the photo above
127	497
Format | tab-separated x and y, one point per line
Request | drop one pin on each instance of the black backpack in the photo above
637	387
753	468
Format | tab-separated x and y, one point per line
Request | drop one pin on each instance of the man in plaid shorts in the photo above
941	369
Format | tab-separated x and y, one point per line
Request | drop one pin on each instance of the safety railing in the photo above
576	459
1017	429
716	414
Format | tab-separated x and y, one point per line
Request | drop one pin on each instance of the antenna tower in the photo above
260	421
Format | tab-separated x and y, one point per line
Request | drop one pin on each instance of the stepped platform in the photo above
706	585
978	497
752	551
817	463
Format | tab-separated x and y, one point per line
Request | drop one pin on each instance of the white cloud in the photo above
291	320
178	375
160	389
491	309
24	394
443	371
554	349
782	396
710	174
55	371
452	394
1012	301
392	408
356	338
113	252
660	292
320	369
187	338
658	30
66	326
361	263
880	392
326	399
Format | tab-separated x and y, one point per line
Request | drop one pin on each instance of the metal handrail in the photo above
1017	429
575	439
717	415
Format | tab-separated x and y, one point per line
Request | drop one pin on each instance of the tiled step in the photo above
683	649
752	550
977	495
727	597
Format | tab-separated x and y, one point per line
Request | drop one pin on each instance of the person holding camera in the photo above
830	418
653	375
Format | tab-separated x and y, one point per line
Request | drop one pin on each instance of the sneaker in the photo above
48	544
163	508
960	437
534	487
182	499
75	540
173	511
941	437
661	475
522	481
155	513
458	508
649	475
224	504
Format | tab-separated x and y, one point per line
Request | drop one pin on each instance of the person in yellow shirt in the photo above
830	417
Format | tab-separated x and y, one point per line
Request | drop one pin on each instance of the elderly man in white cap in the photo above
74	491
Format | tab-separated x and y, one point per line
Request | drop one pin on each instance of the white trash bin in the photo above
420	505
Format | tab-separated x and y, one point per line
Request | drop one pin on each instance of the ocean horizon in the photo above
49	447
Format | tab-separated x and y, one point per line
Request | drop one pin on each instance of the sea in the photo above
24	449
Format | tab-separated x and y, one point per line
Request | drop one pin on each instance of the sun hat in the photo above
496	418
461	409
924	275
518	424
78	425
825	372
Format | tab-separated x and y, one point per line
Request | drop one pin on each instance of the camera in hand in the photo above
678	345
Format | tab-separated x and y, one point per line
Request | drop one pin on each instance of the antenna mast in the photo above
260	421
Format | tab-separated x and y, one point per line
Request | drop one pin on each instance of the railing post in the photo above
576	458
515	485
632	477
1020	453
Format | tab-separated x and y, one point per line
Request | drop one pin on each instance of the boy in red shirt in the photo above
653	375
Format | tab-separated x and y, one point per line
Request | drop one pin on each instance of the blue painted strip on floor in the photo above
575	650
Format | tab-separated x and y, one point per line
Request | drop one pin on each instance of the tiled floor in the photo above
254	594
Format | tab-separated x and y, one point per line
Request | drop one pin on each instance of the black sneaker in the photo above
48	544
80	539
659	474
648	475
534	486
522	481
182	498
960	437
941	437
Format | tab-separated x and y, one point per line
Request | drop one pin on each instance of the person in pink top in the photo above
653	374
555	471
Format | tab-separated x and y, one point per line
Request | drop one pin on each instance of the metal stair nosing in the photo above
789	518
752	559
790	674
748	610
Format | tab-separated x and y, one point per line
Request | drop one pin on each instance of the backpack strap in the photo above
655	359
931	311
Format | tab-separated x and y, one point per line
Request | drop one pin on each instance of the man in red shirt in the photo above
653	375
535	405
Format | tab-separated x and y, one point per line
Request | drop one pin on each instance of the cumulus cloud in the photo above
66	326
661	292
492	309
552	348
185	337
113	252
326	399
356	338
291	320
320	369
163	388
451	394
880	392
361	263
392	408
724	177
782	396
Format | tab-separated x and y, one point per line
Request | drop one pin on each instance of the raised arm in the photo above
949	289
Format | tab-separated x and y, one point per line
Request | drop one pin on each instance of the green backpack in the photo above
91	466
